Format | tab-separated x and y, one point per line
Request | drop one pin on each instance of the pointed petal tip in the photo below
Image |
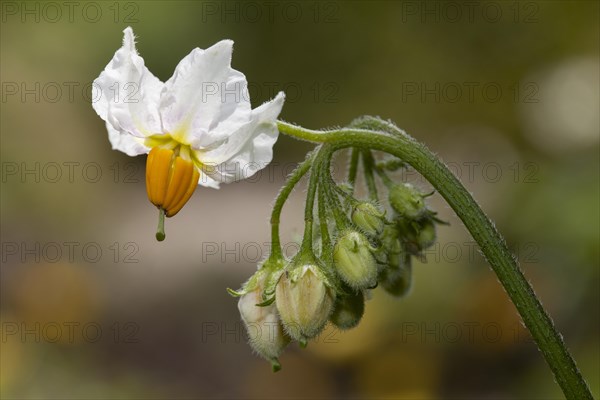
223	46
280	97
128	38
271	109
226	42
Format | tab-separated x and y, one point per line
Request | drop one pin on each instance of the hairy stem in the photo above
386	137
353	168
330	192
294	178
324	224
313	183
369	164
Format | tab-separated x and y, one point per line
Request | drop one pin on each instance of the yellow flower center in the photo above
170	178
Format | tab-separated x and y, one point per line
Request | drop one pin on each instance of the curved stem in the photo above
283	195
328	180
396	142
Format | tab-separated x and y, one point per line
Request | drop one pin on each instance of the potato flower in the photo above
198	127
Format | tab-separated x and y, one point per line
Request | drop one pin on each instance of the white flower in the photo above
202	115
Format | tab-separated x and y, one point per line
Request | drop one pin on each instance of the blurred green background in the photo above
507	93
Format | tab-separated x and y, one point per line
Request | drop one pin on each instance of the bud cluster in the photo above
360	246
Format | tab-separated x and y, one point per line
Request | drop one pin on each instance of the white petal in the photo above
203	92
126	94
207	181
128	144
247	149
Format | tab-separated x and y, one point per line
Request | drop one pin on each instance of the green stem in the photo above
353	168
396	142
313	183
329	182
384	177
325	239
333	201
283	195
369	164
347	196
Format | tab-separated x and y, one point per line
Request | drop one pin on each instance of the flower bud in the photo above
354	261
407	201
426	235
261	320
390	242
368	218
396	278
417	235
304	300
265	332
348	310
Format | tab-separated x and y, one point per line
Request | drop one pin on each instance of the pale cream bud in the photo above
265	332
304	301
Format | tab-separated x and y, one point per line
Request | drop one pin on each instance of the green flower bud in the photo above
354	261
368	218
348	310
426	235
417	235
407	201
266	277
396	279
304	300
390	242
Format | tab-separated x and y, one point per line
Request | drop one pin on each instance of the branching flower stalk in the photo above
329	282
369	133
